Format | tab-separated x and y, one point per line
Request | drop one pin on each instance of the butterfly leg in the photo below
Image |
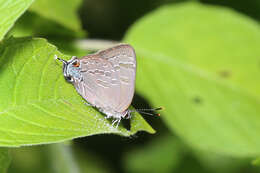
118	122
114	121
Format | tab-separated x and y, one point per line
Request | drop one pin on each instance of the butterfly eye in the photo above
75	64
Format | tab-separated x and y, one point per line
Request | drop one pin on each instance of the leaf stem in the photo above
63	159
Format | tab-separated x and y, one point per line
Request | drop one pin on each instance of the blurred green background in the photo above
201	61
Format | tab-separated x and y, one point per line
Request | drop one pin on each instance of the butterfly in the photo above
106	80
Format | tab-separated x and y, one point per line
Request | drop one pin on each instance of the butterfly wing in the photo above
109	78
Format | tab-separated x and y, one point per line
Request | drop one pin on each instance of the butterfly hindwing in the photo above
108	78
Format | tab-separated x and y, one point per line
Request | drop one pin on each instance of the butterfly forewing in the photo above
109	78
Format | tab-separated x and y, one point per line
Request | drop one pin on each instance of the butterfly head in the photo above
71	69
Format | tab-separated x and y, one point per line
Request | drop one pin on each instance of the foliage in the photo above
162	155
63	12
199	61
10	11
209	92
5	160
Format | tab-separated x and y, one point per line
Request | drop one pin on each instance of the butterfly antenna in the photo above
153	109
62	60
144	111
147	113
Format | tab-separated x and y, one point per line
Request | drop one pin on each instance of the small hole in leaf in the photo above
225	73
197	100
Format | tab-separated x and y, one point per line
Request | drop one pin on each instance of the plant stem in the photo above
62	159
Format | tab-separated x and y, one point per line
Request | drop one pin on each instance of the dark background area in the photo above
110	19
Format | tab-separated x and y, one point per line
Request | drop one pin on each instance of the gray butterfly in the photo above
106	79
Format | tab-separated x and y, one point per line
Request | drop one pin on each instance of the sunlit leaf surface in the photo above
38	105
10	10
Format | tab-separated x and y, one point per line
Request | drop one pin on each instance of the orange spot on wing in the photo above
76	64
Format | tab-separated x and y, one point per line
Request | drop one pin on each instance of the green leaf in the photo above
55	157
62	159
5	160
202	64
30	24
256	162
30	159
216	163
10	11
41	158
63	12
160	155
38	106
